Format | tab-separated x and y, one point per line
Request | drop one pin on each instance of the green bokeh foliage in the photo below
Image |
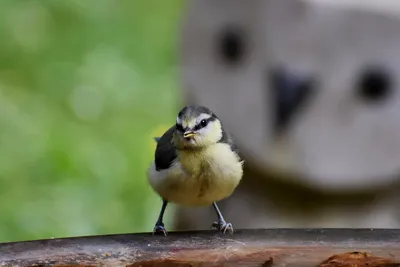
84	84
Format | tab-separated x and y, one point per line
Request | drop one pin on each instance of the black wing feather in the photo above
165	152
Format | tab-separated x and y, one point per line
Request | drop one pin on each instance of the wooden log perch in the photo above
273	247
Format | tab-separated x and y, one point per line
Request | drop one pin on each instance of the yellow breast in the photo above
199	178
215	161
210	175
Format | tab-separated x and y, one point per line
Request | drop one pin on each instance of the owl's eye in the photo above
231	45
374	84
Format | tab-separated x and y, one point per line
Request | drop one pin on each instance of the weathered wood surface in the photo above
272	247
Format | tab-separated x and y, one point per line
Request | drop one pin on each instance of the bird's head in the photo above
197	127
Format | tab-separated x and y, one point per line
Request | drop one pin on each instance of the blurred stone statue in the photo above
310	91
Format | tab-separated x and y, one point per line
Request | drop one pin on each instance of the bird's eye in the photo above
179	127
374	84
203	123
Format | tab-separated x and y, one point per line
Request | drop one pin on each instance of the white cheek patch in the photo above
178	121
206	129
212	132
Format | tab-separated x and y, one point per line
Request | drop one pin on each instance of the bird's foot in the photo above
222	226
159	228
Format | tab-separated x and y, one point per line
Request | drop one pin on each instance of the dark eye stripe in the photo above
179	127
199	126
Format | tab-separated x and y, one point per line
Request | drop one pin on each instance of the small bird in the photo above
196	164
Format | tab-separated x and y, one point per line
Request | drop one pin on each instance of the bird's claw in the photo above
222	226
159	228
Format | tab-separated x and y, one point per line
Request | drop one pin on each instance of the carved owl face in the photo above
306	88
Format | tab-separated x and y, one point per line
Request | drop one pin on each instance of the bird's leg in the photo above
159	227
221	224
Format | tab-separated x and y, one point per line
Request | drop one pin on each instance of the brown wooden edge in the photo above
248	247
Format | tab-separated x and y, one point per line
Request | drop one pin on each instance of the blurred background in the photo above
84	87
308	89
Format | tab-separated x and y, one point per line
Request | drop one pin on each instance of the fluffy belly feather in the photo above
199	178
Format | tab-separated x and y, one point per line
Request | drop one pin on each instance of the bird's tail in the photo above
157	139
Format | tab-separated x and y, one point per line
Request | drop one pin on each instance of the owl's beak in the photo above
289	92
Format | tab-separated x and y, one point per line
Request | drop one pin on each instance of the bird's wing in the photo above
165	152
157	139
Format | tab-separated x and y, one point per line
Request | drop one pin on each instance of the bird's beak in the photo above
189	134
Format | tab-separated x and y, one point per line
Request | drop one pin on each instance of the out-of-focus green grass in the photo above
84	86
